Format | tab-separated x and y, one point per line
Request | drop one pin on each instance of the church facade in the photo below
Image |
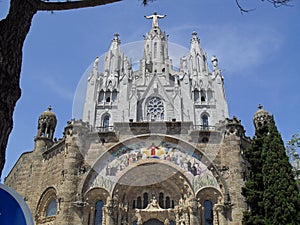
155	146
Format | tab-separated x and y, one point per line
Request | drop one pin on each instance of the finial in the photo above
49	108
214	58
259	106
194	33
116	36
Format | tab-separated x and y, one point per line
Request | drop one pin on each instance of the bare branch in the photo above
242	9
145	2
275	3
278	3
53	6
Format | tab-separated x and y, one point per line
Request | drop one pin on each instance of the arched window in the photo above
155	109
203	96
105	121
208	213
139	202
51	208
98	212
114	95
161	200
155	50
209	95
168	202
133	204
204	119
48	205
198	62
107	96
146	201
196	95
101	96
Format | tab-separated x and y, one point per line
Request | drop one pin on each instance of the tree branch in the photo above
242	9
275	3
54	6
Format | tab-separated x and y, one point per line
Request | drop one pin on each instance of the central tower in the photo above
156	91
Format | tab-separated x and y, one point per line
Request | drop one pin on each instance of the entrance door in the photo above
153	222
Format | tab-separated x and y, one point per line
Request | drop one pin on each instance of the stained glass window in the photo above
98	212
51	208
155	109
208	213
205	121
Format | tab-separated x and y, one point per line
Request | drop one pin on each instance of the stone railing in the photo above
105	129
204	128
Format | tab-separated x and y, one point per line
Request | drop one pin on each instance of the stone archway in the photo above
153	222
137	169
154	190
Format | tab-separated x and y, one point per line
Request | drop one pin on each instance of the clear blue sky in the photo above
259	53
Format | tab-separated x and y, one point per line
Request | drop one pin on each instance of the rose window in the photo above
155	109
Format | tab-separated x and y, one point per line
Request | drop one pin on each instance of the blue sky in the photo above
259	53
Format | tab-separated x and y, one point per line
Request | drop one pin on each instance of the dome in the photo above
49	112
261	117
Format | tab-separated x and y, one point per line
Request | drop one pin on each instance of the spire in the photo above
115	43
113	61
195	43
197	57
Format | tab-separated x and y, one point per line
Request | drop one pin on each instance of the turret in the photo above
46	127
46	124
261	117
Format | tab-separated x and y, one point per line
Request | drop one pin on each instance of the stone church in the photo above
155	146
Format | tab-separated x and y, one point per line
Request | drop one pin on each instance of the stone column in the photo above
139	217
193	211
177	218
104	215
109	212
87	215
166	222
219	216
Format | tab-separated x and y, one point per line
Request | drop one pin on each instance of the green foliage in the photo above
270	191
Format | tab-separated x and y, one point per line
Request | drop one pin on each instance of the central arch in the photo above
112	163
153	177
152	191
153	222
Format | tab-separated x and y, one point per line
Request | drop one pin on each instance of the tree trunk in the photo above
14	29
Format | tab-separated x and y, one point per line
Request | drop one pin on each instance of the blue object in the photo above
13	209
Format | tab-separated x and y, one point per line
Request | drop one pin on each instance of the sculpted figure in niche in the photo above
139	217
216	70
95	66
128	69
153	202
112	80
124	221
194	82
167	221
